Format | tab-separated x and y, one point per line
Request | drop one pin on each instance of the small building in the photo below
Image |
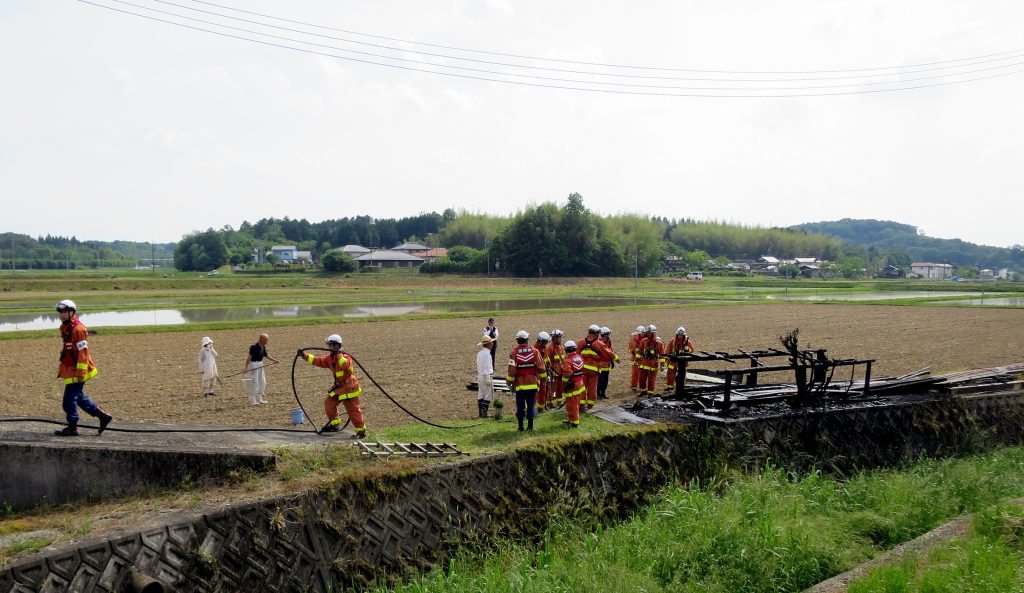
354	250
390	258
930	271
890	271
433	253
285	253
673	263
409	247
986	274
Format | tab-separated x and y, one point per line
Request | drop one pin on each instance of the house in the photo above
890	271
354	250
285	254
673	263
390	258
987	274
930	271
433	253
409	247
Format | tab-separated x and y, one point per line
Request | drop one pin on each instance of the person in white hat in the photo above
484	382
208	365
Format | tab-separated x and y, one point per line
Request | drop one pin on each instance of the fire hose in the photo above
375	384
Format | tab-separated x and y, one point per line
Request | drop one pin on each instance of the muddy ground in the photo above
425	364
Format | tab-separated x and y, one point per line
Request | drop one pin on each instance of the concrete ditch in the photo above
375	529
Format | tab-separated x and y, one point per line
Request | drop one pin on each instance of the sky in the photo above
114	126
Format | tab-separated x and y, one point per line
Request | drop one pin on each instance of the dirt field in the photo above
425	364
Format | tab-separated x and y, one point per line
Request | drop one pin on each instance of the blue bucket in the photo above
297	416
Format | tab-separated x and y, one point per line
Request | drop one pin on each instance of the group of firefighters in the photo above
550	374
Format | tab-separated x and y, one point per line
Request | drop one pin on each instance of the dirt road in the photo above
425	364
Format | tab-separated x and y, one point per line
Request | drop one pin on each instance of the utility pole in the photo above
636	267
487	249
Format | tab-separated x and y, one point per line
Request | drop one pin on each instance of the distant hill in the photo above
24	252
886	235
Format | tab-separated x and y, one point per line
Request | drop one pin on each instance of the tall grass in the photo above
766	532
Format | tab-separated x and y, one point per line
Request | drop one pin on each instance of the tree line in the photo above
23	252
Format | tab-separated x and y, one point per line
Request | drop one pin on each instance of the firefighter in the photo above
634	356
593	351
345	389
554	356
543	338
575	385
525	365
75	368
651	349
606	366
679	344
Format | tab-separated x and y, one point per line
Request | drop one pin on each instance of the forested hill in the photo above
23	252
885	235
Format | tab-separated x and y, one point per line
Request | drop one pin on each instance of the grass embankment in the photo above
989	560
749	533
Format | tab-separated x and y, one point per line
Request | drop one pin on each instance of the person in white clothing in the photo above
255	372
208	365
484	370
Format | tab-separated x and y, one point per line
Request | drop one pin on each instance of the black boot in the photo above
71	430
529	424
481	408
520	424
484	408
105	419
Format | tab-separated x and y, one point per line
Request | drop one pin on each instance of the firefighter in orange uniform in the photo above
606	365
593	351
525	364
679	344
545	387
634	356
651	349
553	358
345	389
76	367
575	385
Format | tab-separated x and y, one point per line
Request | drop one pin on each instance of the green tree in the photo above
338	261
200	252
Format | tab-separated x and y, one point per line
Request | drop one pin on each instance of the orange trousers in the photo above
572	409
647	381
542	394
634	377
590	378
558	386
670	378
355	414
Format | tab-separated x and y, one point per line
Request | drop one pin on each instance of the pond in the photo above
29	321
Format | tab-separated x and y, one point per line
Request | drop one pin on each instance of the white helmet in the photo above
594	329
66	305
557	332
640	329
570	345
680	331
543	337
605	331
333	339
651	328
522	335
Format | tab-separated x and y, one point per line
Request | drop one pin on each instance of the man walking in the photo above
75	368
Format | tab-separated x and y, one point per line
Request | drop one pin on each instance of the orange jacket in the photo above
75	364
634	346
525	365
554	356
678	345
542	349
593	351
606	365
346	386
651	348
572	373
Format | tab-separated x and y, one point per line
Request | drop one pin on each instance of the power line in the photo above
903	81
904	70
565	83
525	57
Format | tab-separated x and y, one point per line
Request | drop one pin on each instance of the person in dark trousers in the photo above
525	365
75	368
491	331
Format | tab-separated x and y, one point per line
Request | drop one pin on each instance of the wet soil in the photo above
425	364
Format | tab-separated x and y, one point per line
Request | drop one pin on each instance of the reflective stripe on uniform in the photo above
82	366
342	396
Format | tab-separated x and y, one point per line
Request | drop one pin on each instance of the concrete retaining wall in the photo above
353	533
37	474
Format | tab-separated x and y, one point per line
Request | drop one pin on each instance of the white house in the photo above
931	271
285	253
389	258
